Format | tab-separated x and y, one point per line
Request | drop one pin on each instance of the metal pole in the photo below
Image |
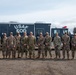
50	29
34	29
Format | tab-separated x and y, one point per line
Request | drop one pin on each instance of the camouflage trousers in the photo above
24	50
31	51
66	49
41	51
48	49
57	51
11	51
73	51
4	51
18	49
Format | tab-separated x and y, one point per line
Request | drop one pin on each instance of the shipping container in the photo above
36	28
60	31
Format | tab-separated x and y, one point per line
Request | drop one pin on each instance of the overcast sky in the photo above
58	12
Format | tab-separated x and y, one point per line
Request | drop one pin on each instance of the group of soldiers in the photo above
16	46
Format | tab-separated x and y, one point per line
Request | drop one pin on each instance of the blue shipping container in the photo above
36	28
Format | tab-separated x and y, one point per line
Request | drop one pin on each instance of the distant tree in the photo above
74	30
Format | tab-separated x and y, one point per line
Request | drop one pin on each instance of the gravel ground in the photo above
47	66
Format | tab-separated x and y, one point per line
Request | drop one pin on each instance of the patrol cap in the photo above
65	33
57	33
31	32
4	34
47	33
17	32
24	33
40	33
11	33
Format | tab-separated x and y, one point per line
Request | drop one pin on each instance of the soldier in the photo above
66	44
4	46
41	46
73	43
57	44
11	44
24	44
48	40
18	38
31	44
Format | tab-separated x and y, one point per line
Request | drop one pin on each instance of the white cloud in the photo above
58	17
47	15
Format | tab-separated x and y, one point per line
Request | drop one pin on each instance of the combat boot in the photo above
38	56
68	57
73	57
30	56
43	56
3	57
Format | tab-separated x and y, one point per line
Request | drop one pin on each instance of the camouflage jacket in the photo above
4	41
31	41
24	40
41	41
48	40
11	41
65	39
18	38
57	41
73	41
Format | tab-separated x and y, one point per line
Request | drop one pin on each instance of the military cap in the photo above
56	33
31	32
40	33
4	34
47	33
17	32
24	32
65	32
11	33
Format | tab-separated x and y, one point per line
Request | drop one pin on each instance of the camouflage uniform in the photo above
18	38
31	45
24	45
11	43
48	40
4	46
73	43
66	45
41	46
57	44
